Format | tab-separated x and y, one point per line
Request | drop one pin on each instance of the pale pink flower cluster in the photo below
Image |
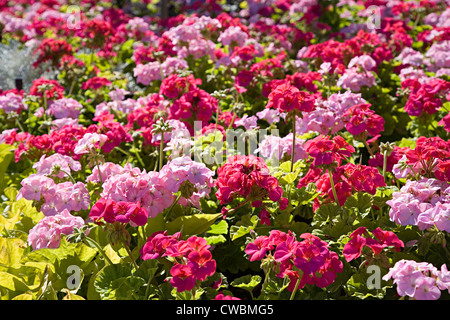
411	57
189	37
270	115
178	129
108	169
437	56
148	188
64	108
275	148
354	79
56	197
146	73
366	62
247	122
419	280
233	35
47	232
90	141
12	102
327	117
56	165
179	170
424	203
151	71
118	103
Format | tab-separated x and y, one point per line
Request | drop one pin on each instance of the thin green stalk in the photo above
384	164
161	147
172	205
333	187
293	143
99	171
130	254
100	249
296	287
69	175
136	152
368	147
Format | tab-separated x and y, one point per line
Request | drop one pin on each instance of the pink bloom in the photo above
35	186
182	277
48	164
47	232
90	141
258	248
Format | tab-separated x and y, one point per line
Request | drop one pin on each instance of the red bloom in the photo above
286	98
426	97
361	119
325	151
52	50
55	92
361	238
183	277
95	83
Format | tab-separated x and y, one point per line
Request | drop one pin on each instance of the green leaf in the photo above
247	282
116	282
357	286
11	251
243	227
361	201
218	228
193	224
61	258
6	155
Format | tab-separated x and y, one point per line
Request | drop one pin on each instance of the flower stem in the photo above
333	187
69	175
293	143
384	163
368	147
296	287
92	242
99	172
130	254
161	148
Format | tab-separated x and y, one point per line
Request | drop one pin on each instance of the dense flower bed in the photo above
284	149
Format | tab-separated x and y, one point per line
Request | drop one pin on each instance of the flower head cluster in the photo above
360	119
148	188
326	151
192	258
52	50
54	197
56	165
328	116
354	79
347	179
315	263
419	280
424	203
53	92
361	238
248	177
95	83
430	158
275	148
193	179
89	142
64	108
425	97
287	98
124	212
47	232
12	102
